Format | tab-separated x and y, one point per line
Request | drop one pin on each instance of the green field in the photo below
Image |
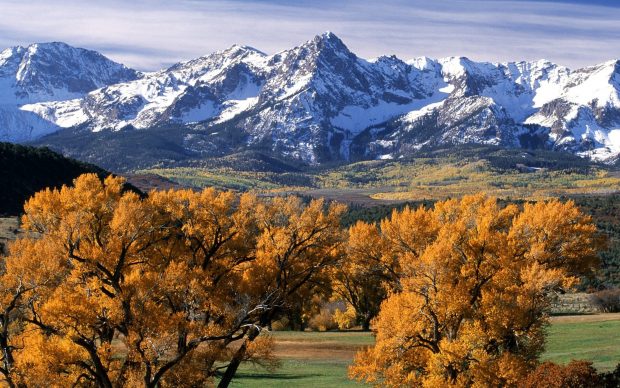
585	338
310	359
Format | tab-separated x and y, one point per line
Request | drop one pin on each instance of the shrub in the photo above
323	321
345	319
280	325
326	318
577	374
610	379
607	301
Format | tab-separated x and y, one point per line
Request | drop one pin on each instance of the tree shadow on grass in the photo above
282	376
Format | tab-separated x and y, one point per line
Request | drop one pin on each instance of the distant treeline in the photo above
605	210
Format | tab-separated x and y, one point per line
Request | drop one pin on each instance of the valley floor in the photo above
515	174
313	359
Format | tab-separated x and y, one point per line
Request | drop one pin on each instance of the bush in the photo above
323	321
577	374
280	325
607	301
330	317
610	379
345	319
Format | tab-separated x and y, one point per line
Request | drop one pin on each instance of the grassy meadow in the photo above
320	359
585	337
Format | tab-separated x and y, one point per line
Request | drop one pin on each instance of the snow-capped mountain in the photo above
319	102
517	104
49	72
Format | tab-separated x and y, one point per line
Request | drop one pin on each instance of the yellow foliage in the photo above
474	284
345	319
112	289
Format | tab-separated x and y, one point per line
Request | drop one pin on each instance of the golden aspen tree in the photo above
366	274
296	247
112	290
475	287
372	267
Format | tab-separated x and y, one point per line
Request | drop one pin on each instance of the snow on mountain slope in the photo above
319	101
519	87
598	86
585	115
320	94
49	72
425	86
55	71
17	125
193	91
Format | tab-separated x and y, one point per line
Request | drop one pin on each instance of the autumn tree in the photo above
372	269
368	272
110	289
475	280
295	250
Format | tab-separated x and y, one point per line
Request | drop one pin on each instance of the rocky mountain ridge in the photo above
319	102
45	72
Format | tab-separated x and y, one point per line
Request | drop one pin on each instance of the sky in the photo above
152	34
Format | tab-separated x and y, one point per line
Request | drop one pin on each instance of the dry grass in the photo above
320	346
585	318
9	229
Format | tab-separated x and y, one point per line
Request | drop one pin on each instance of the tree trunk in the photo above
291	323
101	374
7	378
366	318
8	356
366	324
237	359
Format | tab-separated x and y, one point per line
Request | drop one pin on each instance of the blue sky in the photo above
151	34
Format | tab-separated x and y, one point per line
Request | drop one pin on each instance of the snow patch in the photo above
233	107
614	139
204	111
416	114
64	115
357	118
593	84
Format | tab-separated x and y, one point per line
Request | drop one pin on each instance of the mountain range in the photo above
316	103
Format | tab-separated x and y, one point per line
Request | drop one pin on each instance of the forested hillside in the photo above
26	170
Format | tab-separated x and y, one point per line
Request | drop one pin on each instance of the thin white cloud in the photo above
152	34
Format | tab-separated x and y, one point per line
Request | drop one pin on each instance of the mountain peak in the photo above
52	45
57	71
615	64
61	48
327	35
422	63
456	66
328	40
237	49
